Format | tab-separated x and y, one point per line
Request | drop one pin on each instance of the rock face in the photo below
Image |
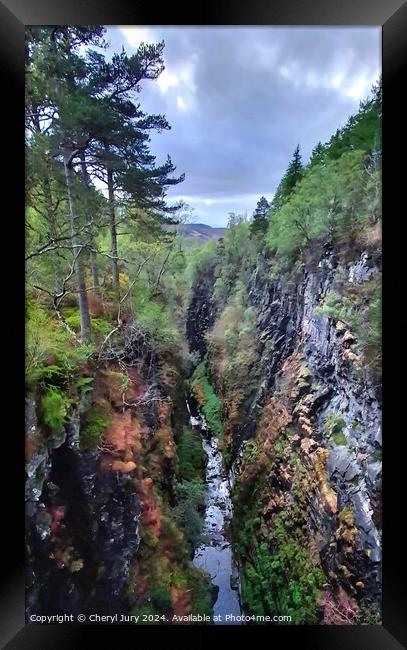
310	367
201	315
82	526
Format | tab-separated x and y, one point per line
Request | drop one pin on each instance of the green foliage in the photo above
338	194
334	425
207	399
92	429
44	339
280	577
290	179
191	456
329	202
250	451
361	311
152	317
259	224
378	454
236	334
191	501
201	260
84	384
55	407
161	599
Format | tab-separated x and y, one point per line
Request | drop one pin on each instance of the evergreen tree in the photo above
259	224
288	182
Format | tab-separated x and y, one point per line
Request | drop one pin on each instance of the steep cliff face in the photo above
201	314
306	448
101	532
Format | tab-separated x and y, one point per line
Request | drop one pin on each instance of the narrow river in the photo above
215	553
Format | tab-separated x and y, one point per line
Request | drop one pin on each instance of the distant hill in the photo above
199	231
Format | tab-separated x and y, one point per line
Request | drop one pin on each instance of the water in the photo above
215	554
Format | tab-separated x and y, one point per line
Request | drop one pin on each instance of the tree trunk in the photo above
113	232
93	260
86	334
46	186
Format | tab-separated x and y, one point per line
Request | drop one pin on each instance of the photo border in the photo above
14	15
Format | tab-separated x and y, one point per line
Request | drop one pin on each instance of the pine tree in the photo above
259	224
288	182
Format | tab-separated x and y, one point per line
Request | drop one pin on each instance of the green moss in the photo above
279	577
334	425
92	429
207	399
278	574
161	598
378	454
250	452
346	515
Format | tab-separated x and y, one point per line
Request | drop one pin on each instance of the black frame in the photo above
392	15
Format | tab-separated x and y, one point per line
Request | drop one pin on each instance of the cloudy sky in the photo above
239	100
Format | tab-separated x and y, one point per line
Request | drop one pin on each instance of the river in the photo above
215	554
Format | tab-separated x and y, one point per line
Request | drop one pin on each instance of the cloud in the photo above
135	35
239	100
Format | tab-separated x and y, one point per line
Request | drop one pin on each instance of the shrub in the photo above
281	577
191	500
92	429
191	456
207	399
55	406
334	426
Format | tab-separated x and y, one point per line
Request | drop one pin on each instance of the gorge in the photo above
203	405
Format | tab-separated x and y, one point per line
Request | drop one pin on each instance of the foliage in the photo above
207	399
55	406
92	429
152	317
44	340
278	575
290	179
334	425
337	196
378	454
191	457
191	501
259	224
360	308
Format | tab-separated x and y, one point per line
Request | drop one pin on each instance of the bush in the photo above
207	399
152	318
191	456
191	501
280	577
55	406
92	429
45	339
334	426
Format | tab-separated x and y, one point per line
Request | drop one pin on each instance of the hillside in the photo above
200	232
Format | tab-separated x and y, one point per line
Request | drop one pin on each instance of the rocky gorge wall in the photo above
306	452
101	531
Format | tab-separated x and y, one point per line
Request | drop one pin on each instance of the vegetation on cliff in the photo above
108	292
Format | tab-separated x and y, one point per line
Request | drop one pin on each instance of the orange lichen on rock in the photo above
150	510
121	443
328	496
181	601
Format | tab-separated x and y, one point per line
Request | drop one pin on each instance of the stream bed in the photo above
215	554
